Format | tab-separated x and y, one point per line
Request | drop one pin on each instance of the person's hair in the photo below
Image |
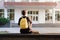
23	12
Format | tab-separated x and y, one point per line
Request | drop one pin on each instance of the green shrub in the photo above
3	21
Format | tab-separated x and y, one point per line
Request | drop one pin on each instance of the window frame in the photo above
10	12
33	15
2	12
57	14
48	16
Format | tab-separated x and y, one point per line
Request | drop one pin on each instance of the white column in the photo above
5	13
41	16
53	15
26	12
17	15
54	1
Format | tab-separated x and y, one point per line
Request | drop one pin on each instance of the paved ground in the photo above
34	25
42	30
40	25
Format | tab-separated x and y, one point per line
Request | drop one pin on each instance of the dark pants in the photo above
25	31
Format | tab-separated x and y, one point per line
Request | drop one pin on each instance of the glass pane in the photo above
36	12
8	15
30	12
11	10
36	18
33	12
33	18
1	14
58	17
1	10
48	17
11	16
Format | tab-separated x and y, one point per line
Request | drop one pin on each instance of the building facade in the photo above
39	11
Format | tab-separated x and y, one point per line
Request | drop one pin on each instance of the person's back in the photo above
25	24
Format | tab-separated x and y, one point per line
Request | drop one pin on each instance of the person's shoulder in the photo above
27	16
20	17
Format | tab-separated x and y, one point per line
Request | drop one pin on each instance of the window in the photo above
48	16
57	15
11	14
33	18
33	15
36	18
33	12
1	12
34	0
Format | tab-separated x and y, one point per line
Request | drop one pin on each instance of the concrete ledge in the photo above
18	36
30	35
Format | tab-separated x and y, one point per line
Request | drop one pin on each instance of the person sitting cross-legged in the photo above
26	24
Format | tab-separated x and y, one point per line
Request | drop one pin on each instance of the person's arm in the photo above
29	20
19	21
30	23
